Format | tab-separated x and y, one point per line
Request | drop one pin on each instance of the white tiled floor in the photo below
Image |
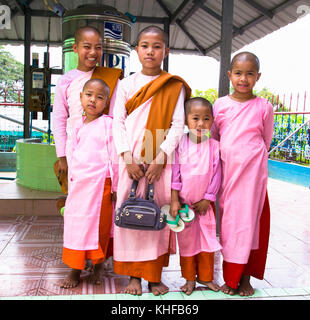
31	247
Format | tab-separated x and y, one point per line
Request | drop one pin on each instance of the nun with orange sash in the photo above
147	126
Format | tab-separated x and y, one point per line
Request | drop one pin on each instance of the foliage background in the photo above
11	76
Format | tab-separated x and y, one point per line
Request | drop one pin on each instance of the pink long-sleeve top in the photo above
62	110
187	168
197	175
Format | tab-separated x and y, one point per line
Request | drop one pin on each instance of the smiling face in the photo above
243	76
199	121
89	50
151	51
94	99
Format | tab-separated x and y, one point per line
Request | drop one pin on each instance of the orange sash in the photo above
165	91
110	77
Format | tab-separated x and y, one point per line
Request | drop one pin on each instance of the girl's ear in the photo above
166	52
258	76
74	46
229	74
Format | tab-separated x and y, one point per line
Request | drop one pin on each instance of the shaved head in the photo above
245	56
154	29
78	35
105	87
197	100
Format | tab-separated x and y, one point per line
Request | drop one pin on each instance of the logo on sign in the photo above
113	30
5	17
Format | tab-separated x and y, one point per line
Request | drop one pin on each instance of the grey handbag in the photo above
140	214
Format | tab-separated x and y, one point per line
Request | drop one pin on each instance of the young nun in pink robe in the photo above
142	254
93	177
67	108
244	127
196	178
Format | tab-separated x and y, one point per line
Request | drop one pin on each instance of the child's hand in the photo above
155	169
63	165
174	208
153	172
134	170
114	196
201	206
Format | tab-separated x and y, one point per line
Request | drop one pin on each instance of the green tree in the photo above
210	94
265	93
11	76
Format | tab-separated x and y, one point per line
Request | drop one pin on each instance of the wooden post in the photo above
226	41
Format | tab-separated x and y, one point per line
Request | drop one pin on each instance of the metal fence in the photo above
290	113
292	126
11	121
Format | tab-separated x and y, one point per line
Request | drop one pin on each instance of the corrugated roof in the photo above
195	29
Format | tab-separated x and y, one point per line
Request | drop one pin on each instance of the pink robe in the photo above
93	159
128	132
197	175
67	108
245	133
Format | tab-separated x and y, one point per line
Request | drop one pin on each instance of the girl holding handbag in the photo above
147	126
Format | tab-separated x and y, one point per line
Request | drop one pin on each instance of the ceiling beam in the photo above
217	16
20	7
142	19
180	24
254	22
191	11
43	13
155	20
190	37
260	8
164	7
178	11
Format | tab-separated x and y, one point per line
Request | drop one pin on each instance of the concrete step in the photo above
19	200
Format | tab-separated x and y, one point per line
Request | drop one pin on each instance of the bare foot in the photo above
94	277
72	280
134	287
158	288
228	290
245	288
188	287
211	285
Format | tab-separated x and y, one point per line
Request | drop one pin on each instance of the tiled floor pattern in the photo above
31	266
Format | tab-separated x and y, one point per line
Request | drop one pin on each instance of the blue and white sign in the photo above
113	30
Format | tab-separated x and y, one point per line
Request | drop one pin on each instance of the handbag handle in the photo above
149	193
133	189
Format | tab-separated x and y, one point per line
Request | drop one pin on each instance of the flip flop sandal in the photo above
175	224
186	214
